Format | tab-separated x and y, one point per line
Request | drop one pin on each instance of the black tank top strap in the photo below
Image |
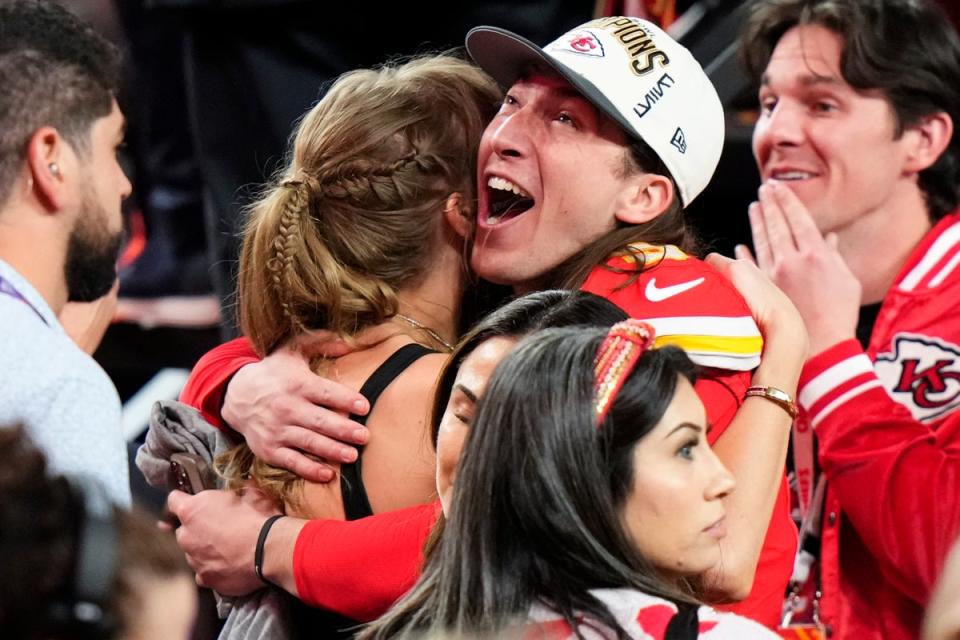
355	502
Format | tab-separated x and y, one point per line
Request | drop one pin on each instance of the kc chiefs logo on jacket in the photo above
923	374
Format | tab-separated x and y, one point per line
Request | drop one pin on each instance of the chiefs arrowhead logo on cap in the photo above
582	42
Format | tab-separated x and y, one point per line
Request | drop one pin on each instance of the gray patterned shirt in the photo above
60	394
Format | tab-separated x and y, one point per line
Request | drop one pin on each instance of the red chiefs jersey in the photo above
889	433
692	306
687	302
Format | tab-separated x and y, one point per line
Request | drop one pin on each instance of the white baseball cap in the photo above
635	73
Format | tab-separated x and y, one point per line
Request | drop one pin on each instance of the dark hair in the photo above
521	317
525	315
536	513
40	521
907	49
55	71
670	227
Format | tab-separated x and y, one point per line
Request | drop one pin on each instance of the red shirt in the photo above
360	568
208	380
889	433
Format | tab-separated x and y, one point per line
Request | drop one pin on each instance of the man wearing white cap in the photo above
604	136
602	139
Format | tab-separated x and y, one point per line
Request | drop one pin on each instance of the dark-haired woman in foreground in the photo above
587	500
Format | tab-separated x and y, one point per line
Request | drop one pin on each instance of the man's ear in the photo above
927	141
645	197
456	216
48	160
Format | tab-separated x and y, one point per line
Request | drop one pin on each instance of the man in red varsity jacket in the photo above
858	147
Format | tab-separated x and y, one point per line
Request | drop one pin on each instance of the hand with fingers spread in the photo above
218	533
284	410
807	266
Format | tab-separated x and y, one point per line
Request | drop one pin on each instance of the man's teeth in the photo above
792	175
502	184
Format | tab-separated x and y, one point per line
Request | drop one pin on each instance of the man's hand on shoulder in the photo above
285	411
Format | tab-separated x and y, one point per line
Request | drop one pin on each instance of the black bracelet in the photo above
258	554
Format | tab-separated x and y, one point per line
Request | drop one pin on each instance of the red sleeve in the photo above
208	380
721	392
895	477
360	568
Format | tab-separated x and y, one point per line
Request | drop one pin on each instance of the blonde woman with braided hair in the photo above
356	249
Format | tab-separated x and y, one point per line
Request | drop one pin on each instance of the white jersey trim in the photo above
938	250
830	408
723	326
830	379
733	363
938	279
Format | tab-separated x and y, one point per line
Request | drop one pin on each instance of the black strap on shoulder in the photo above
355	502
685	624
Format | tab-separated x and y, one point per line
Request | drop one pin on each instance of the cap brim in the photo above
507	57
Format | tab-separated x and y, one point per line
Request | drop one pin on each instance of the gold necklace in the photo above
433	334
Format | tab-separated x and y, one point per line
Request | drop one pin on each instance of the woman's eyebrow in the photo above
684	425
467	392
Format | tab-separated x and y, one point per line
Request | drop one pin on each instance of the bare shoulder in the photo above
419	379
407	401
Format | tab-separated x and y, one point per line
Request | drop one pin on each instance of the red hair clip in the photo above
618	354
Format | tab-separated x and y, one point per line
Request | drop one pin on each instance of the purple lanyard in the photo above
7	288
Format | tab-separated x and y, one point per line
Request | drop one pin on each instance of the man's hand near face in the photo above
805	265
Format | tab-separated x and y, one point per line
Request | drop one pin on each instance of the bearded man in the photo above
61	190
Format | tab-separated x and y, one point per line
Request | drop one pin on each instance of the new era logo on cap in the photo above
637	75
679	141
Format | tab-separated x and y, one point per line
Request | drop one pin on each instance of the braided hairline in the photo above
305	189
354	181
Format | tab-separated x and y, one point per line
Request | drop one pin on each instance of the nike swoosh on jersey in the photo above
659	294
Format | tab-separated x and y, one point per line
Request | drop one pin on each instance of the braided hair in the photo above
354	215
